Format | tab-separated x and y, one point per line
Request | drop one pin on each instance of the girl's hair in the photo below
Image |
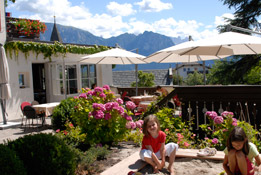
145	125
238	135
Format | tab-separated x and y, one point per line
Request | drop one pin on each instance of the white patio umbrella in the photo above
4	80
170	55
115	56
224	44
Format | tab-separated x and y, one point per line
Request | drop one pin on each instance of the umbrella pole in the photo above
3	112
136	75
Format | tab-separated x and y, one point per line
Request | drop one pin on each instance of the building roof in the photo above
55	33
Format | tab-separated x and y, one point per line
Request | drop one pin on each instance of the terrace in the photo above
243	100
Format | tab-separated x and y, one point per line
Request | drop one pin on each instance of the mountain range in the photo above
146	43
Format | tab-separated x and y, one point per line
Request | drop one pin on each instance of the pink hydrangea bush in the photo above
101	116
218	128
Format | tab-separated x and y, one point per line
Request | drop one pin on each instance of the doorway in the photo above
39	85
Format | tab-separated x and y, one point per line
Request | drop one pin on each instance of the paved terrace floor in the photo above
15	132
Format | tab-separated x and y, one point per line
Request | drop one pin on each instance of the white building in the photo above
34	78
187	68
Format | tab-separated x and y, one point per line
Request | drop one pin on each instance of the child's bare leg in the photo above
156	160
242	163
232	160
171	161
151	162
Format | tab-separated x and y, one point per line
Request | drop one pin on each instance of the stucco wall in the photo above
24	65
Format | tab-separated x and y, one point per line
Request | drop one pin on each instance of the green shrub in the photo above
101	116
63	113
136	136
10	163
86	159
175	129
44	154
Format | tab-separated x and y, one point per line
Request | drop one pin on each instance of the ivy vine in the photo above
48	50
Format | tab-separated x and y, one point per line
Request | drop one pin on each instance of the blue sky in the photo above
173	18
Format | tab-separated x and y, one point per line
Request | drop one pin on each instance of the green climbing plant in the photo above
48	50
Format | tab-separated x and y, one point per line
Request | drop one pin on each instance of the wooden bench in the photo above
192	153
134	163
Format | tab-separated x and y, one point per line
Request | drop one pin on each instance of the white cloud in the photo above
220	20
120	9
106	25
153	5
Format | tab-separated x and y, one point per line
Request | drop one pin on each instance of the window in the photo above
70	76
71	79
23	78
88	75
188	69
184	69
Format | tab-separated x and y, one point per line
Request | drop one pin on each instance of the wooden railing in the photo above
131	91
244	101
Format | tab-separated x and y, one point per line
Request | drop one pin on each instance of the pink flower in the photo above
83	95
107	116
186	144
211	114
180	135
108	106
127	117
102	95
58	130
133	125
98	89
138	124
234	122
166	129
215	141
227	114
128	125
206	138
90	93
130	105
107	87
98	106
98	114
71	125
119	100
218	120
225	130
120	110
209	128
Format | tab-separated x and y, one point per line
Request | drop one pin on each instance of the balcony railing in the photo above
243	101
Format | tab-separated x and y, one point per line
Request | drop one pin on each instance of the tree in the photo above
246	16
144	80
177	79
6	3
195	79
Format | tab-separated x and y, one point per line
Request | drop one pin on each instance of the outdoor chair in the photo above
35	102
25	103
30	113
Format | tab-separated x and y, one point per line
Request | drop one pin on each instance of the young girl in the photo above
240	155
153	145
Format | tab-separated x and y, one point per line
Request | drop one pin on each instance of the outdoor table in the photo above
47	108
138	99
144	104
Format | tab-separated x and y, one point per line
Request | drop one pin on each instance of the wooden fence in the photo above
243	100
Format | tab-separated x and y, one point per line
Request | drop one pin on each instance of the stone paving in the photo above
15	132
